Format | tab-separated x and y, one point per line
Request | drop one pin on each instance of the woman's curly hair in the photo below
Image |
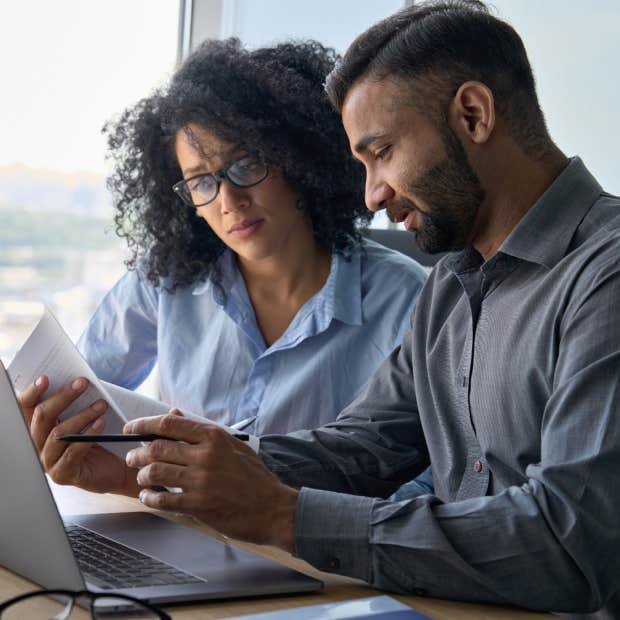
268	101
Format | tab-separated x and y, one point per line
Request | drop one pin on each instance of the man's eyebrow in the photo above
366	141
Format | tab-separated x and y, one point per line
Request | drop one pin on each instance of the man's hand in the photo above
85	465
224	483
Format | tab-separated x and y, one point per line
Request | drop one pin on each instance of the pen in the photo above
123	438
239	426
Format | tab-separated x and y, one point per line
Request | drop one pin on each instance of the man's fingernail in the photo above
142	495
128	428
78	384
39	381
129	457
100	406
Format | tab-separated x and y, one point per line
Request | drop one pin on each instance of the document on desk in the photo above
373	608
49	351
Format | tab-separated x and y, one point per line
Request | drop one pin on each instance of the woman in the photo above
256	300
251	286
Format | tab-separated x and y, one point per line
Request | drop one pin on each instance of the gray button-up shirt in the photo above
509	381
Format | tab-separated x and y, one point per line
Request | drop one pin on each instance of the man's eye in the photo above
381	153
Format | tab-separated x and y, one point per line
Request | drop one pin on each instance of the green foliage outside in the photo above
41	239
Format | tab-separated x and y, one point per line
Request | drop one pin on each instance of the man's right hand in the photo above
85	465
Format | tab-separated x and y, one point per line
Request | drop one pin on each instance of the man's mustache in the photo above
397	211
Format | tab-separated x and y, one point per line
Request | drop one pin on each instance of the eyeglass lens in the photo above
242	173
62	607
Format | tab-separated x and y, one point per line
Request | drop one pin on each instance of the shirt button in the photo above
334	563
478	466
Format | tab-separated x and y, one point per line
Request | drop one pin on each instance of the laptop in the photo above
134	553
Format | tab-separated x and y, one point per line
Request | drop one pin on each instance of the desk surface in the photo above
75	501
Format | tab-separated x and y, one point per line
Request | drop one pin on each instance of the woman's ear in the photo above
472	112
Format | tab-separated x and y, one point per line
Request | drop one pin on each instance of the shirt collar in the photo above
545	231
343	289
340	298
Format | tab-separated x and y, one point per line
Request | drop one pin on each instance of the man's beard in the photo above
453	193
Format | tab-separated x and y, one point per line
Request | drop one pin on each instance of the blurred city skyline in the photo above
73	66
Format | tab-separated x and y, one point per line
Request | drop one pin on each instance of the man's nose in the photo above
377	193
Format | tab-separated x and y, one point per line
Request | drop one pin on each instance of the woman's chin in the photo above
253	252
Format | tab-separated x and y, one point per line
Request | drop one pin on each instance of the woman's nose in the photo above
233	198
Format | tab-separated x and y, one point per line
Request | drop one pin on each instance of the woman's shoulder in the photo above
381	262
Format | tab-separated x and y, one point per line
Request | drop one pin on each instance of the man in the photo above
508	380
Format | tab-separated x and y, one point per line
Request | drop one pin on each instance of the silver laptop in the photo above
136	553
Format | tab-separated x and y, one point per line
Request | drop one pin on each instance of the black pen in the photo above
123	438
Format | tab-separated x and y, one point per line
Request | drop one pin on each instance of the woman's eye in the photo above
201	184
246	165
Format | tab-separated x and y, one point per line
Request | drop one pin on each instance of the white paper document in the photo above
49	351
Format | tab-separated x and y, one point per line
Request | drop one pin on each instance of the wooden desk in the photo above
75	501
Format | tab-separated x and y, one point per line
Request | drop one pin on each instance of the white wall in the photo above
574	50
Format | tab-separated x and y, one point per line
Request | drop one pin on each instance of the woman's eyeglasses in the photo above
202	189
38	604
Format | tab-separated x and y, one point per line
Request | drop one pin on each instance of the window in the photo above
73	65
265	22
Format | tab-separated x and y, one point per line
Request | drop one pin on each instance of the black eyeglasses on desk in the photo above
37	604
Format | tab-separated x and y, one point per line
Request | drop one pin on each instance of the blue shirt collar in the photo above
340	298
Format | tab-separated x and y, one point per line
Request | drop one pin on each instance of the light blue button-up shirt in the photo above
213	359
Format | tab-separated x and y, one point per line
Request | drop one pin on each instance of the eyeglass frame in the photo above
91	596
217	176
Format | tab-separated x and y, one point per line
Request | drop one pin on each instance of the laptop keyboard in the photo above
108	564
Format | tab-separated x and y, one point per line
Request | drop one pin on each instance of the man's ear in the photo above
472	112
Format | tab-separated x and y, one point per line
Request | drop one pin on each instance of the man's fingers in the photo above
175	427
162	474
161	450
162	500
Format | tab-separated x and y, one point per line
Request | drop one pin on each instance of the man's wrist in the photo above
283	524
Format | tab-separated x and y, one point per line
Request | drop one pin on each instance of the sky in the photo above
70	65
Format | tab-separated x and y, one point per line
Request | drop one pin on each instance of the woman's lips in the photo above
245	229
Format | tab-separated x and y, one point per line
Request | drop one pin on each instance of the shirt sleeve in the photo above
550	544
120	340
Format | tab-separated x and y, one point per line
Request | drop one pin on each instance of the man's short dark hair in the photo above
439	45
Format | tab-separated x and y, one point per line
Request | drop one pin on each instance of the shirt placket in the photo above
258	380
475	480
